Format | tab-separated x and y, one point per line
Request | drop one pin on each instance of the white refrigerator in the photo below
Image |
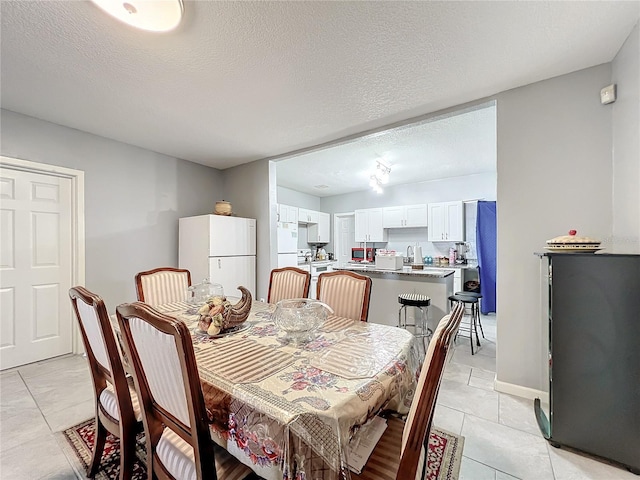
220	248
287	244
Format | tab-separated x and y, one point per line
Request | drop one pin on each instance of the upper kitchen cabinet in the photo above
405	216
320	232
446	222
287	213
307	216
369	227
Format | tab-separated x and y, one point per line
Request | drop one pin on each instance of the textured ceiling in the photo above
462	144
240	81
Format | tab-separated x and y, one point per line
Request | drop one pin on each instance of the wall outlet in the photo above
608	94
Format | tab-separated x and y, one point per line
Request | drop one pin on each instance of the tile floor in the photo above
502	441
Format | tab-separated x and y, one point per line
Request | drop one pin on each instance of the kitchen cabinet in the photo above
446	222
405	216
369	226
320	232
307	216
287	213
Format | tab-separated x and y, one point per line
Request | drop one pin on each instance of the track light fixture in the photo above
374	182
380	176
382	172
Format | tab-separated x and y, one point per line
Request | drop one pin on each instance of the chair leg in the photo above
127	453
478	316
475	324
98	447
471	336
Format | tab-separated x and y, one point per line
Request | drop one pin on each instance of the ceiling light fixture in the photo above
374	183
380	176
382	172
150	15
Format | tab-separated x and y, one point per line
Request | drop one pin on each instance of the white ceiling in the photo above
239	81
462	144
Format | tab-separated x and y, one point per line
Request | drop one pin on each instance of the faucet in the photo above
409	254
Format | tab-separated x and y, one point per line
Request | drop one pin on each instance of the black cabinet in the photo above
594	355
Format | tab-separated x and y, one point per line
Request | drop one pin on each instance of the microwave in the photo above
358	254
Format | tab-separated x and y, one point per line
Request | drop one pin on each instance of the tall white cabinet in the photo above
446	222
320	232
368	224
220	248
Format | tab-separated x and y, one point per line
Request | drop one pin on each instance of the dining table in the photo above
288	410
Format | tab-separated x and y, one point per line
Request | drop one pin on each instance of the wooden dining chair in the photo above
117	407
162	285
347	293
179	445
288	282
401	452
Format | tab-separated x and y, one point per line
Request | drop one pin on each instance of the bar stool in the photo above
472	326
421	302
476	306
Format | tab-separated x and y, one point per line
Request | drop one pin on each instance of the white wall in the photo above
554	174
247	187
626	147
468	187
133	198
297	199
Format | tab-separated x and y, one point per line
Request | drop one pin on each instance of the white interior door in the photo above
346	233
35	266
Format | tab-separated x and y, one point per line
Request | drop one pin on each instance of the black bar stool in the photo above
476	306
472	326
421	302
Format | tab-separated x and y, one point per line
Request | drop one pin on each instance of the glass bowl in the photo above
300	318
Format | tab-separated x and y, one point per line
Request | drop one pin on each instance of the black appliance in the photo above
594	355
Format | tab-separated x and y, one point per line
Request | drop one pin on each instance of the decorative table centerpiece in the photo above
300	318
218	314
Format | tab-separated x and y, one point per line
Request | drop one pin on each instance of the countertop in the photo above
433	272
318	262
456	266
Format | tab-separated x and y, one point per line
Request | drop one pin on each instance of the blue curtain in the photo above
486	240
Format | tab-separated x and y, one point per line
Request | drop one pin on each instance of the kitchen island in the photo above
436	283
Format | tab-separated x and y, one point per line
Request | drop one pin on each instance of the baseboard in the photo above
520	391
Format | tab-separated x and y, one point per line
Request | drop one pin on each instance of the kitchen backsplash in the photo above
400	238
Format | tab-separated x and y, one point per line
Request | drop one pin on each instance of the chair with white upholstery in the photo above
288	282
117	407
179	445
401	452
162	285
347	293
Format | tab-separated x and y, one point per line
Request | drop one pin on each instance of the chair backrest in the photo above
166	376
101	348
418	424
162	285
347	293
288	282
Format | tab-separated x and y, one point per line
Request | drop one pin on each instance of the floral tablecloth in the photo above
287	411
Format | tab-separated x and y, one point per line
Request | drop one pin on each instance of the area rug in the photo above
444	455
79	443
443	460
